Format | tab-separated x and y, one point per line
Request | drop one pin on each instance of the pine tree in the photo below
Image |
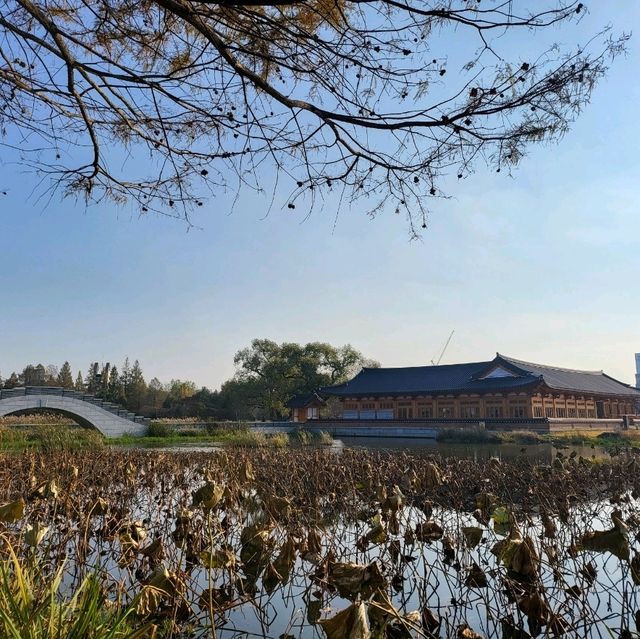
125	379
137	388
65	378
115	392
79	385
92	381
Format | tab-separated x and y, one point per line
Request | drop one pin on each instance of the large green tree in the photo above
279	371
164	102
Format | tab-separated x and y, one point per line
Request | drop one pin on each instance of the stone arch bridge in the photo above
87	410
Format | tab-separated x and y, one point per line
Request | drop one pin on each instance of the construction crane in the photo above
444	348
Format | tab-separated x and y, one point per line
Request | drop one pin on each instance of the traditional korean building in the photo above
305	407
501	388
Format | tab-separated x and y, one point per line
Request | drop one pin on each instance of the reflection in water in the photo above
542	453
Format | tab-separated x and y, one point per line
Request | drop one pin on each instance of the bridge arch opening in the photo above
77	419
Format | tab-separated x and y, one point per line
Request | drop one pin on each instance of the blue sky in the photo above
544	266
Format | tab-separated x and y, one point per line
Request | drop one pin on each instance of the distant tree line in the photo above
267	376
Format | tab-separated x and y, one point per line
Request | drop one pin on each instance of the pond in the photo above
542	453
292	543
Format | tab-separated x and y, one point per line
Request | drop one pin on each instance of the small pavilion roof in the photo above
304	400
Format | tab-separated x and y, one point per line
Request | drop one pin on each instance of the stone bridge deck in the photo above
89	411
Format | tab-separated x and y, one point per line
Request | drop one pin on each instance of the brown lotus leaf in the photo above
154	551
635	569
34	534
209	495
271	578
246	472
550	528
377	534
12	511
353	580
574	591
615	540
428	531
350	623
517	554
285	560
476	577
472	535
485	502
47	489
465	632
394	501
216	598
220	558
558	625
314	541
536	609
432	475
512	631
278	506
162	584
99	507
430	621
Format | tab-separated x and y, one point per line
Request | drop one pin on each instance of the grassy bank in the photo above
49	438
62	436
226	436
624	439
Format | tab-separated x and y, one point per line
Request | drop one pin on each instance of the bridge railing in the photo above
110	407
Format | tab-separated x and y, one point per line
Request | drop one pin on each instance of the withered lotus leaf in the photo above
428	531
45	490
485	501
518	554
285	560
350	623
476	577
215	598
432	475
615	540
12	511
377	534
472	535
501	520
314	541
537	610
278	507
394	501
99	507
356	580
220	558
162	584
465	632
208	496
34	535
246	472
154	551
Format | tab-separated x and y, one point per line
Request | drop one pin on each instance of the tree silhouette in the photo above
356	95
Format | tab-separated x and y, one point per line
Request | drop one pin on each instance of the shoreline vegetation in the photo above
52	432
64	435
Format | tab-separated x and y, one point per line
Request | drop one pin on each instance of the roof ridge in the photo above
551	367
395	368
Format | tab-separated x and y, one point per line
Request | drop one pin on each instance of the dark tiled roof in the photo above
575	380
469	378
302	401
